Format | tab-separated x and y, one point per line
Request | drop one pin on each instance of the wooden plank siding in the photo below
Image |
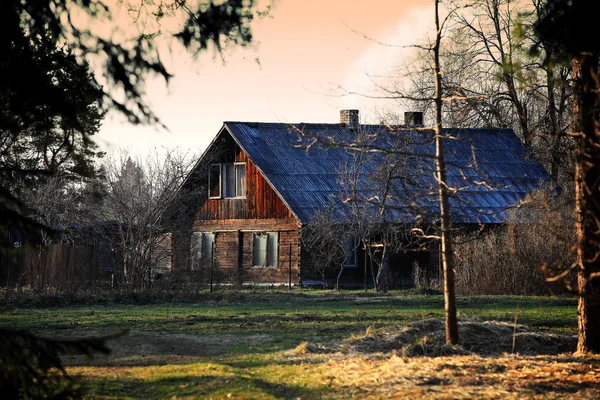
260	202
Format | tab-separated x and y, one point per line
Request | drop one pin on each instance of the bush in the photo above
519	257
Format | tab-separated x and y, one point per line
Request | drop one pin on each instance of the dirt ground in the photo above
162	348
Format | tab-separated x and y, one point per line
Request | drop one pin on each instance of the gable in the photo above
260	200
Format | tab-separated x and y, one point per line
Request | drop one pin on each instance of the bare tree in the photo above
496	35
496	82
141	195
324	239
446	238
61	202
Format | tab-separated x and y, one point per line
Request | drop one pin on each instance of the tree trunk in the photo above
587	192
337	280
371	264
381	273
447	252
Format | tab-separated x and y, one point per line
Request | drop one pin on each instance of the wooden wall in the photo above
234	247
261	200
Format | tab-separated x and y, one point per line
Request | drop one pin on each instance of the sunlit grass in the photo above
264	377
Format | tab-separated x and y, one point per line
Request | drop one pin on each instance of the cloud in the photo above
388	49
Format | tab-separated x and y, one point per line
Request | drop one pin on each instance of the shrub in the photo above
518	257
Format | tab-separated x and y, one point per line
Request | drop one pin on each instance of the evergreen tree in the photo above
570	25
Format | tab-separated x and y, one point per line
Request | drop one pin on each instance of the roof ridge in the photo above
338	124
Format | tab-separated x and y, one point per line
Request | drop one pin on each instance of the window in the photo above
235	180
201	249
227	180
208	243
240	180
351	252
214	181
265	249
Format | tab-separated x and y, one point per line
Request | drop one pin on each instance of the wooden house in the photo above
265	182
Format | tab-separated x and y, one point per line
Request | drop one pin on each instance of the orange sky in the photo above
305	48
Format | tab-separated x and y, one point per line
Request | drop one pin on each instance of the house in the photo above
265	182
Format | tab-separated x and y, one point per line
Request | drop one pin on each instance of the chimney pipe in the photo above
349	118
413	119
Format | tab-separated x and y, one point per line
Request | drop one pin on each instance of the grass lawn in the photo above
241	345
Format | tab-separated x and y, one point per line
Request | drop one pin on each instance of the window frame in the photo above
220	166
225	176
235	183
198	254
270	254
223	180
204	254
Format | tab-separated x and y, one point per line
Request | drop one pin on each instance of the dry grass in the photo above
309	348
304	348
508	258
427	337
249	348
414	362
464	377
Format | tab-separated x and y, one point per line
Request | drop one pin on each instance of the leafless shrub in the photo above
516	258
140	198
419	276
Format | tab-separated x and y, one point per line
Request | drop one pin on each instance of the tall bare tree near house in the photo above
570	26
498	83
445	226
440	166
445	236
532	89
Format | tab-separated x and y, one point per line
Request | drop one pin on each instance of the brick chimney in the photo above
413	119
349	118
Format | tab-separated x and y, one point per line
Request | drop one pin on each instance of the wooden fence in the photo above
64	266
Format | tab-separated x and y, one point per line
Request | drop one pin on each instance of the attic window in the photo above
227	180
214	181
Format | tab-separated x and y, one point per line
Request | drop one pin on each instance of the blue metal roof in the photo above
488	168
